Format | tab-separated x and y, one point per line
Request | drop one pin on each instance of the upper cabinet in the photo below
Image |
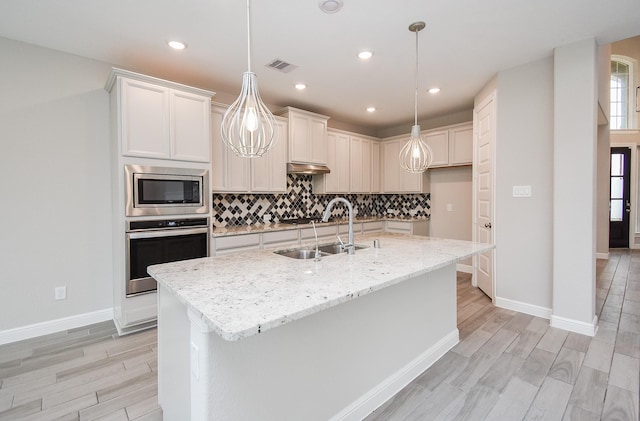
350	157
233	174
160	119
451	146
395	179
307	136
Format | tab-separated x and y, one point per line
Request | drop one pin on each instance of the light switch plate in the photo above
521	191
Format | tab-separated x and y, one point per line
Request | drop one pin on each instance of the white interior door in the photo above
484	123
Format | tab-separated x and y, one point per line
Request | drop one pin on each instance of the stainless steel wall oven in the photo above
165	191
161	241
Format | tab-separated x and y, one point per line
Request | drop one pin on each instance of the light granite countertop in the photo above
253	229
243	294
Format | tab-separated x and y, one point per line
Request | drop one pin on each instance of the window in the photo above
622	114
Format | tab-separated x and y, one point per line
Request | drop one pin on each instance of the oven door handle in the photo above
166	233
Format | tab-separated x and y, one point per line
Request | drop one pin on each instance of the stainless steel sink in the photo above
300	253
309	253
336	248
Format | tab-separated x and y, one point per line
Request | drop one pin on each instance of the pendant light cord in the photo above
249	37
416	94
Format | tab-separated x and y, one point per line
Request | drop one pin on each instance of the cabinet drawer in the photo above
231	244
376	226
279	238
399	226
324	233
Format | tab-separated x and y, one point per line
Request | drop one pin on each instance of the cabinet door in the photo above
376	168
366	166
343	161
229	173
439	143
391	180
269	172
461	145
318	139
144	117
299	146
356	164
190	126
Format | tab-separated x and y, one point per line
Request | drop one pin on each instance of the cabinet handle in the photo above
487	225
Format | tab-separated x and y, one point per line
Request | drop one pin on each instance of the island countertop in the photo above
243	294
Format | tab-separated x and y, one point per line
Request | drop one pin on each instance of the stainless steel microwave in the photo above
166	191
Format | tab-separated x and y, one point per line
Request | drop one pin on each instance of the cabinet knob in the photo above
487	225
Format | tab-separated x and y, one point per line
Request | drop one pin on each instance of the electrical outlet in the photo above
449	207
60	293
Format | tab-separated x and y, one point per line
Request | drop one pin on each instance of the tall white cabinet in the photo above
154	122
233	174
307	136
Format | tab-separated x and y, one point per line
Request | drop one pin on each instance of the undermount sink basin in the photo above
310	253
300	253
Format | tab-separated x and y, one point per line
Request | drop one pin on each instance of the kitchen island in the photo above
258	335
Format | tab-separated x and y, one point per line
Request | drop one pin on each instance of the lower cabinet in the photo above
326	233
408	227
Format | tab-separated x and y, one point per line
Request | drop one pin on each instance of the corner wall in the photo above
524	157
55	183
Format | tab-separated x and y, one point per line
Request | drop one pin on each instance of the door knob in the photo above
487	225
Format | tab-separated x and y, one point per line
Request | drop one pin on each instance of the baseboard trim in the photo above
521	307
602	256
464	268
53	326
371	400
588	329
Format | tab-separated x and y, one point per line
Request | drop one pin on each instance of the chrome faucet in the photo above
351	246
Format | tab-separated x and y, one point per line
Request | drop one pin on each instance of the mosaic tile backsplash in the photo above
299	201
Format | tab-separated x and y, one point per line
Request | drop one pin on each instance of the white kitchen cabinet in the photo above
269	172
307	136
451	146
280	238
438	141
461	145
235	243
233	174
325	233
373	226
394	178
376	167
338	161
229	173
408	227
360	165
160	119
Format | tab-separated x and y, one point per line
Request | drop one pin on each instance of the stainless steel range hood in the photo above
295	168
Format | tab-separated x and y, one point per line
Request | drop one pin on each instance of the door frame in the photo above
492	96
633	196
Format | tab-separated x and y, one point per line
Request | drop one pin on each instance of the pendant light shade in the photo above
248	127
416	156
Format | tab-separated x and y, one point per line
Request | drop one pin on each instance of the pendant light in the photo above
248	127
416	156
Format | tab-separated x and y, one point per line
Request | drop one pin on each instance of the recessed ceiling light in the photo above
300	86
371	109
365	55
330	6
177	45
434	90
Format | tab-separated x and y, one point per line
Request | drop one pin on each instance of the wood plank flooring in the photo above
507	366
511	366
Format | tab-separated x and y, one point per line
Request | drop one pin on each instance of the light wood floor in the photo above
507	366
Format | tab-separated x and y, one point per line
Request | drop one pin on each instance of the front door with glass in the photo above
620	197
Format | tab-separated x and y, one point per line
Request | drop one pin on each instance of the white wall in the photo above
574	200
524	156
451	186
54	185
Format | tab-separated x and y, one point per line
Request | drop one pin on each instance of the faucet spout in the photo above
351	246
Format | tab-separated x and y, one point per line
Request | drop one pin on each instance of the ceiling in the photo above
464	45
